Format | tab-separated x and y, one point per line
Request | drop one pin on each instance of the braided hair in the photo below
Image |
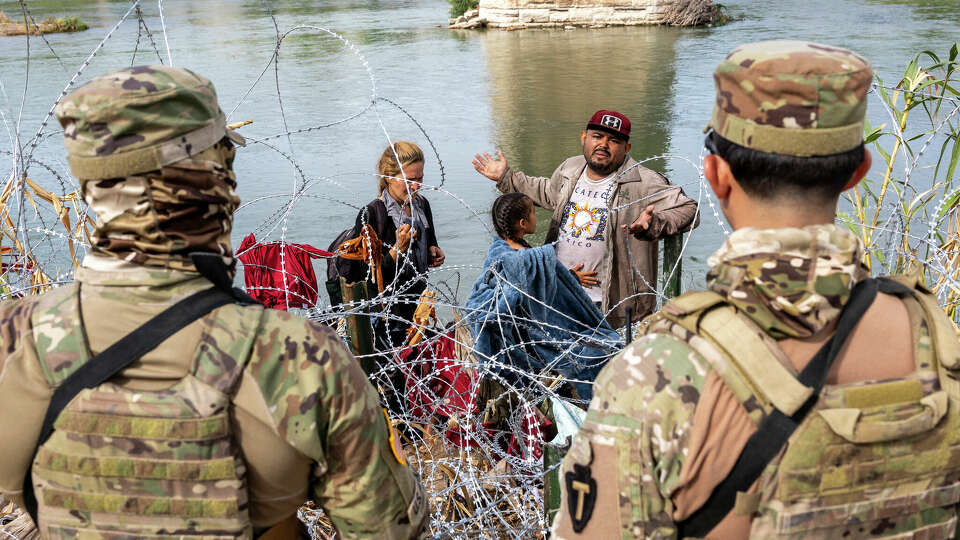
508	210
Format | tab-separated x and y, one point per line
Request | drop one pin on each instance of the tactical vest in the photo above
872	459
152	464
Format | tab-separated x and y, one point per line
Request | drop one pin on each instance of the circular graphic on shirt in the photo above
582	218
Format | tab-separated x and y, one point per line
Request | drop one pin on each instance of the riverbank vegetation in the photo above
909	216
50	25
459	7
696	13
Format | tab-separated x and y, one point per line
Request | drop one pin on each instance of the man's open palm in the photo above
489	167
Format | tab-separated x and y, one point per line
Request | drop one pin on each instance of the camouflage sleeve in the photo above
324	406
617	478
24	394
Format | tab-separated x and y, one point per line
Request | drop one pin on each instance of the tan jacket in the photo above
628	275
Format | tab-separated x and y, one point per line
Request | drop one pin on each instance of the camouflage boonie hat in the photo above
793	98
139	119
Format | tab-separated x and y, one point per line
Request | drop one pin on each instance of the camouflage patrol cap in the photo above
793	98
139	119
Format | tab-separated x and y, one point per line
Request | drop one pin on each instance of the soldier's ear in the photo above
861	171
718	173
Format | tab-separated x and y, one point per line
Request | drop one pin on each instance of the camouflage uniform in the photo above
875	458
233	422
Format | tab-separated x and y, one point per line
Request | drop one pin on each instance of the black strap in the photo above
212	267
776	428
134	345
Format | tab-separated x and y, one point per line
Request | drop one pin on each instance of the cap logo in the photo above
610	121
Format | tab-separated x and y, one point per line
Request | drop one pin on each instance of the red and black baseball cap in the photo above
611	122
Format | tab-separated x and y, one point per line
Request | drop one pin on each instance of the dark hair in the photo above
774	176
508	210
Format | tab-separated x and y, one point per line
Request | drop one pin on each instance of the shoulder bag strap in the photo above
776	428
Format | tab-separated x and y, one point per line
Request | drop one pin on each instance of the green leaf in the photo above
873	134
943	153
932	55
885	95
948	204
954	157
849	222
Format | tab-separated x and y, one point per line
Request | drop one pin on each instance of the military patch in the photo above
395	445
416	507
581	495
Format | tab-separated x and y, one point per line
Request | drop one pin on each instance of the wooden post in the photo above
552	456
672	251
359	329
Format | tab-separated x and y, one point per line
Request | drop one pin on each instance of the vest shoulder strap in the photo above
753	357
752	353
944	336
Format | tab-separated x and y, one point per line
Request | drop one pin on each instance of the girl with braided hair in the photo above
513	218
528	311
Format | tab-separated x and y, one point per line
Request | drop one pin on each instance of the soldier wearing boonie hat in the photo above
175	409
607	250
782	401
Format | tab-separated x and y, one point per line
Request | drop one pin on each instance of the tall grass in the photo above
908	216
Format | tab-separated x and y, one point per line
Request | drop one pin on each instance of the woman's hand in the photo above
405	235
436	256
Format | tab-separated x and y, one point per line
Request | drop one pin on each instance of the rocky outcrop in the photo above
50	25
516	14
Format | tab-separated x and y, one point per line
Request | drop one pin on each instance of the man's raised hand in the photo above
489	167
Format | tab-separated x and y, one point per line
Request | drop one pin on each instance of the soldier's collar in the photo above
106	271
792	282
804	242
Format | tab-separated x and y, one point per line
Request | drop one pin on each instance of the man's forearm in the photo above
535	187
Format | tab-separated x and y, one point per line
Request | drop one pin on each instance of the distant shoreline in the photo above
50	25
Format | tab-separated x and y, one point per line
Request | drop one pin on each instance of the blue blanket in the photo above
528	311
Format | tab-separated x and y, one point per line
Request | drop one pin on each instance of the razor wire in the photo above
473	425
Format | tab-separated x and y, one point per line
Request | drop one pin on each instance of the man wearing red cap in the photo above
596	199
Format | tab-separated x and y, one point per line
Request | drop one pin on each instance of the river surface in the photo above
528	93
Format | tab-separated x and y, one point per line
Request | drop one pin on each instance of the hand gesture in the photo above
489	167
436	256
587	279
405	235
642	223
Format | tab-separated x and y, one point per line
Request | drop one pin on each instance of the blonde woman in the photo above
402	220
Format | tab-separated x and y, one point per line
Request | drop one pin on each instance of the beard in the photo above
600	168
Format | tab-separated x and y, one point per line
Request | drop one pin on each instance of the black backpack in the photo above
338	266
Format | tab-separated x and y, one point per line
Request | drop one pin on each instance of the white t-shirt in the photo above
583	228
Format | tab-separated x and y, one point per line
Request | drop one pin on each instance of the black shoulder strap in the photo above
776	428
134	345
380	212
